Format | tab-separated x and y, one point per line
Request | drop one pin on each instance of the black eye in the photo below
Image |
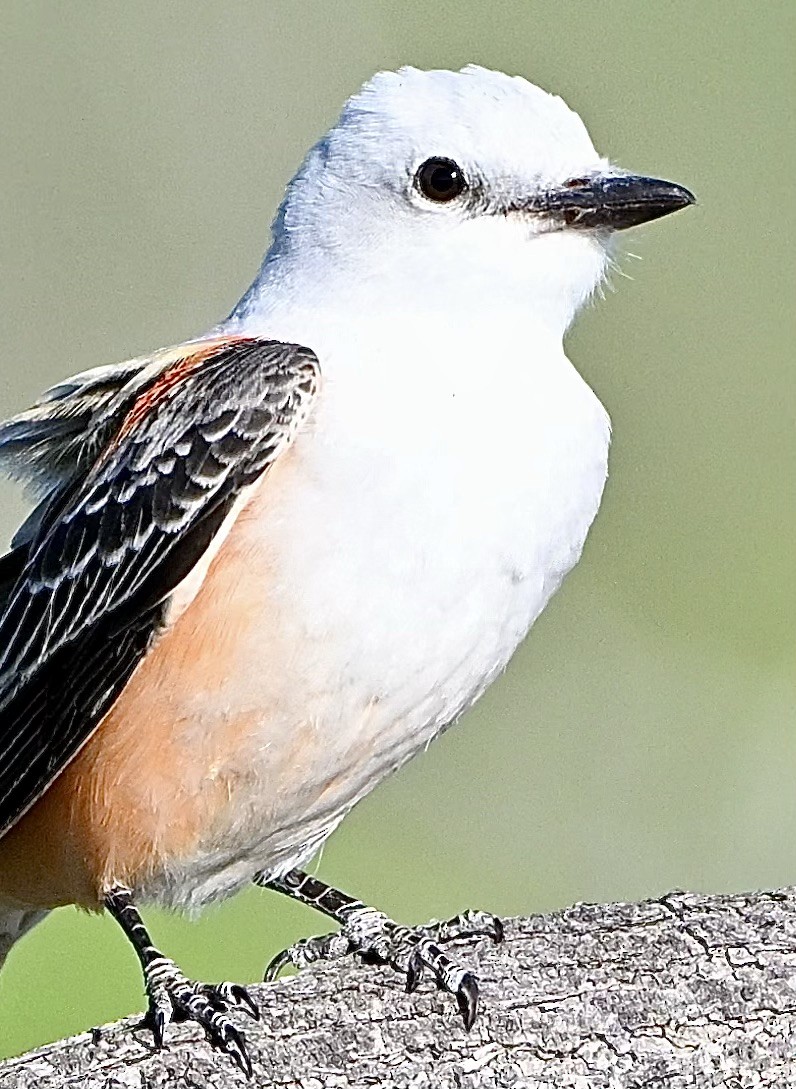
440	180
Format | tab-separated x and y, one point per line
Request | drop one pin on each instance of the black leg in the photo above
172	997
376	939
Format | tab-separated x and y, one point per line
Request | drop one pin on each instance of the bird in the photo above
268	566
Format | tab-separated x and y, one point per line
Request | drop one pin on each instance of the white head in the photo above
459	183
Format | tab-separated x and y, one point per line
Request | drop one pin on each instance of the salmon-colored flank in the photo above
137	795
162	767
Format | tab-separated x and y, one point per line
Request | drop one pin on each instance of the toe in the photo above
241	999
231	996
223	1036
472	924
327	947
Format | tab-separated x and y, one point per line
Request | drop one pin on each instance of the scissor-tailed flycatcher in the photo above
270	565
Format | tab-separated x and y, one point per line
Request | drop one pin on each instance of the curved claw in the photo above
275	966
414	971
467	999
244	1001
231	1043
235	996
157	1023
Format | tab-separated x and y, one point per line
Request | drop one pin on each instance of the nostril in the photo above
576	183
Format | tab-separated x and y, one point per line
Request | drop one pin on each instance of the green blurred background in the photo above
643	738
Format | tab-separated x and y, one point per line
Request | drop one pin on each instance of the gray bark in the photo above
687	990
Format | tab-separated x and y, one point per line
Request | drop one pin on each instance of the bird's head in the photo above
452	181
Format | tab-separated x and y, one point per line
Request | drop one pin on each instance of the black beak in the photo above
612	202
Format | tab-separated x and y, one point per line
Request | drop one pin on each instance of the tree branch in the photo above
684	991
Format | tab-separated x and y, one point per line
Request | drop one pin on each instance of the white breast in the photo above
449	490
436	501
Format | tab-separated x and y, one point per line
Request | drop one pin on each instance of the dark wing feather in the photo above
92	588
11	567
60	435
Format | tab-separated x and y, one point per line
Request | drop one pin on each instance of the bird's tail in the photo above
13	924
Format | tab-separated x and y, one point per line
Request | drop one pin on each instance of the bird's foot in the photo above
413	951
173	997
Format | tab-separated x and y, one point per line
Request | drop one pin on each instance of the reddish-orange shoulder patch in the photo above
196	354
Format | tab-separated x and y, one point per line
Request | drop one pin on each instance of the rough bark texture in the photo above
682	991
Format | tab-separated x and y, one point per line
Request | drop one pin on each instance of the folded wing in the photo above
117	539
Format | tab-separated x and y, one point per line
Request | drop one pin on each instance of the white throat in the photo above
488	272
